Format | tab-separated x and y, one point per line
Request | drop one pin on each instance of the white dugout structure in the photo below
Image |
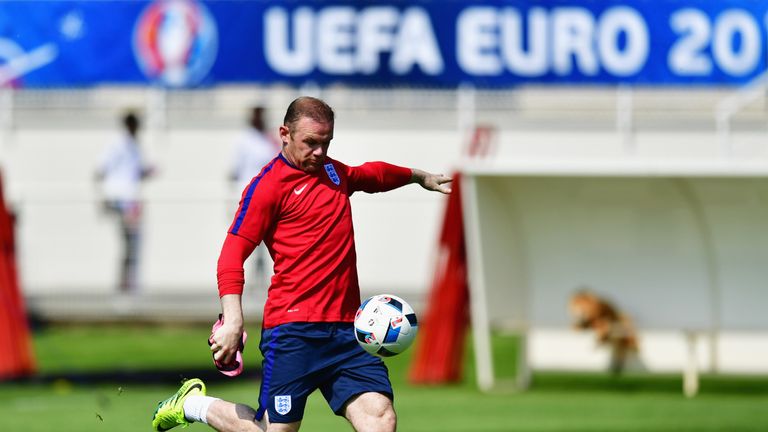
681	246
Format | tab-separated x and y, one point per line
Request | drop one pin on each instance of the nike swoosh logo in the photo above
194	387
299	191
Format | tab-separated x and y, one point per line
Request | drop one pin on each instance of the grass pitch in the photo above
556	402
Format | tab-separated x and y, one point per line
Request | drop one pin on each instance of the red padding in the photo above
442	330
16	358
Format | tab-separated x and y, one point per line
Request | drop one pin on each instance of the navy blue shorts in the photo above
302	357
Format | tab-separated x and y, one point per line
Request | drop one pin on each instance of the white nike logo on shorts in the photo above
299	191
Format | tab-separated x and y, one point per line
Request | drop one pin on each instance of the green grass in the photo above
109	347
556	402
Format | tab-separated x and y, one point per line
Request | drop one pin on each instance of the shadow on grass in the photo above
715	384
134	376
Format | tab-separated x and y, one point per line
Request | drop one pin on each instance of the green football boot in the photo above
170	412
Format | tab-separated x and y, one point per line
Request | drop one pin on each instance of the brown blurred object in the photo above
612	328
16	358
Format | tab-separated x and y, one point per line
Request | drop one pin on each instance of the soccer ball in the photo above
385	325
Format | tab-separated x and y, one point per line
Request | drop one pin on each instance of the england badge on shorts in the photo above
332	174
283	404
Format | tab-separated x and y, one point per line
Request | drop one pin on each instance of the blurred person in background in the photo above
253	149
120	172
299	206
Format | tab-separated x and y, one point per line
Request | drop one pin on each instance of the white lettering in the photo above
517	60
728	25
376	27
477	45
342	41
279	55
686	56
613	23
573	37
560	41
416	45
491	41
335	40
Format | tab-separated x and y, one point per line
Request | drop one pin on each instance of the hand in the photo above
226	340
432	182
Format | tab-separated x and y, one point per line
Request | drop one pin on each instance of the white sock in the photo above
196	408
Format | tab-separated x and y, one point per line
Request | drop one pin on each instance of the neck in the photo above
287	157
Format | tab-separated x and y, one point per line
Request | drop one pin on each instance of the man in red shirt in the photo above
299	207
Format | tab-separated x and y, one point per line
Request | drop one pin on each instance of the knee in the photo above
371	412
389	420
386	420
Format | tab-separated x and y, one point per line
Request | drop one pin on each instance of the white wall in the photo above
660	351
68	245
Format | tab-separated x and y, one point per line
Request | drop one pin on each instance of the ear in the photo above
285	134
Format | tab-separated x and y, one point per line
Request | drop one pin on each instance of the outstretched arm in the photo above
375	177
432	182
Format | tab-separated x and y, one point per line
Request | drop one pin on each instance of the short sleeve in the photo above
374	177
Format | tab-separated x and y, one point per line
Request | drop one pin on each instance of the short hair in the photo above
131	120
257	111
309	107
257	117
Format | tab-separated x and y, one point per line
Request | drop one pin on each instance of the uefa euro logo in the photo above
175	42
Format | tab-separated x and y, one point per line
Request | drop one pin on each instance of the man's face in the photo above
308	145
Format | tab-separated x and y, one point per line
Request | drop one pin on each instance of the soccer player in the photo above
299	206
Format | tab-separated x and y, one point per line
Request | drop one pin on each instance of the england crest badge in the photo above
283	404
332	174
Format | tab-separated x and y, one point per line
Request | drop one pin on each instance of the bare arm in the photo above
431	182
227	337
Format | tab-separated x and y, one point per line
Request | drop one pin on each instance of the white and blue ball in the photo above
385	325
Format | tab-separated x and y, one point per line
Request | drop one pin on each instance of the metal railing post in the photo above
625	116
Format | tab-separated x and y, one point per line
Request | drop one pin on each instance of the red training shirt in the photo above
305	220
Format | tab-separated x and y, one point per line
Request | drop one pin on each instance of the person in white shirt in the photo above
120	172
253	149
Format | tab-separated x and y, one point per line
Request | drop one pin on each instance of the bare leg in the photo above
130	220
284	427
230	417
371	412
128	274
227	416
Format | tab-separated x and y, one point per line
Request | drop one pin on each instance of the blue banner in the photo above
189	43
